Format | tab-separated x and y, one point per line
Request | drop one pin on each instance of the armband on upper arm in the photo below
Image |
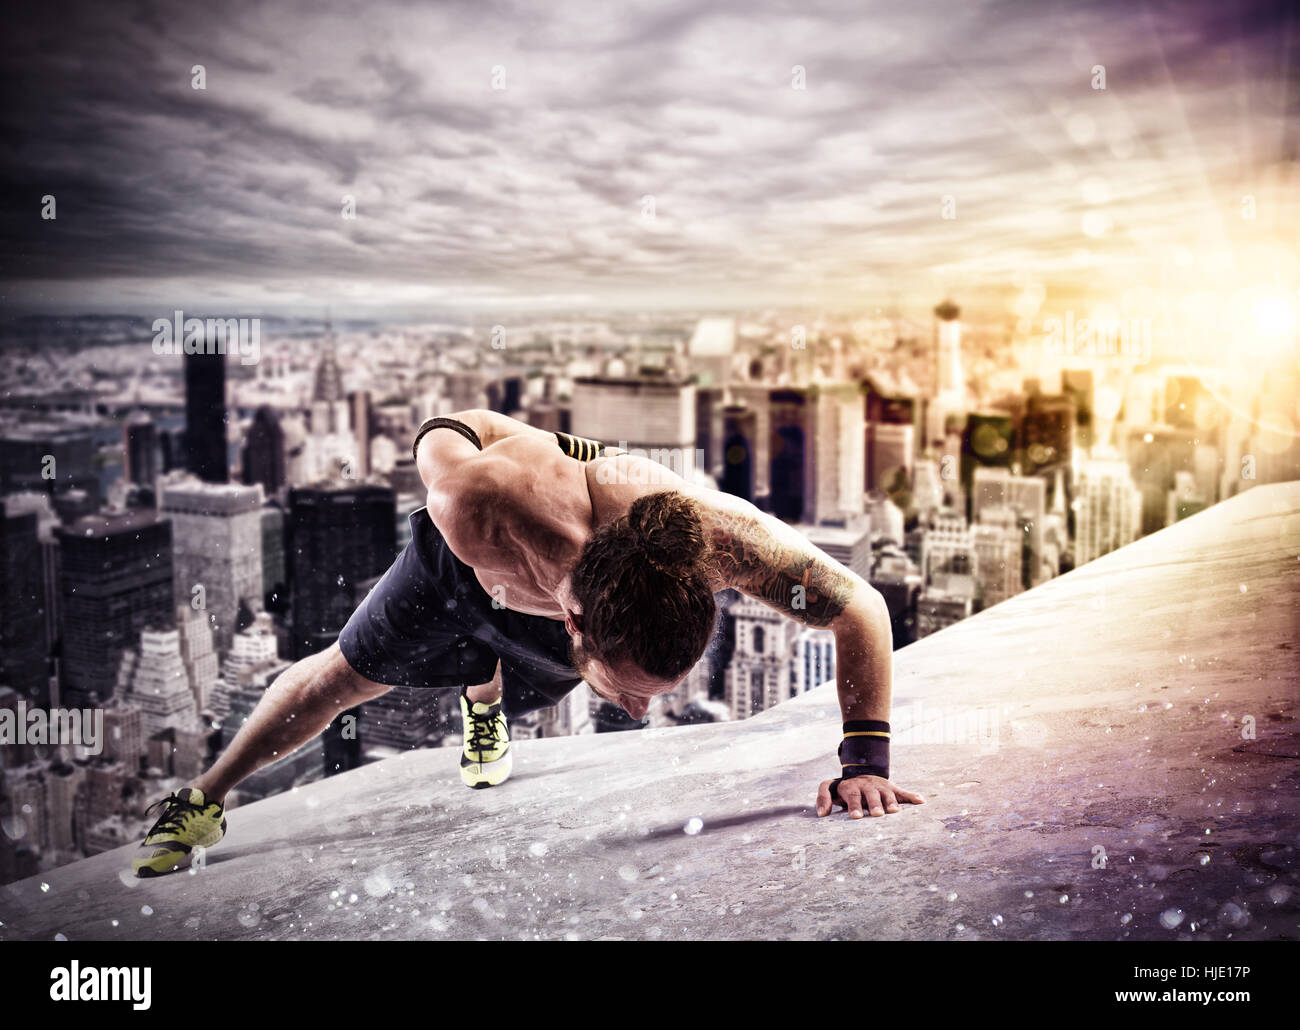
579	447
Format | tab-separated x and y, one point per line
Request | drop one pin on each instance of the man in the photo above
533	567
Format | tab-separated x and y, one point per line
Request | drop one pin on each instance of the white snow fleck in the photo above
693	825
145	910
1170	918
628	873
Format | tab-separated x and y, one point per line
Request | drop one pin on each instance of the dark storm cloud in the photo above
538	187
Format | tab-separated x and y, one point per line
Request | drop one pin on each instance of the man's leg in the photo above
299	705
490	692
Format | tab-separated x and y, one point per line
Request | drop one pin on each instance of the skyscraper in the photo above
24	646
641	413
339	538
949	383
141	446
116	581
810	443
153	678
986	442
1077	384
740	426
759	673
1108	509
264	455
217	547
1047	433
205	417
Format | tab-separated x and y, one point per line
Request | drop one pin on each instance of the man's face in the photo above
626	686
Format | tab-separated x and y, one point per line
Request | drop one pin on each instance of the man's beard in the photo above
579	658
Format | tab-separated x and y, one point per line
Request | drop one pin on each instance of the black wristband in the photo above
864	751
442	422
579	447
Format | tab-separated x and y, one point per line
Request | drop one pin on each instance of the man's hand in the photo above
880	795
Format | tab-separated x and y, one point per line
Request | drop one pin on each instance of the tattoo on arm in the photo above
799	583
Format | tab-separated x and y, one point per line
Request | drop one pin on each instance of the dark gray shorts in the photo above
429	623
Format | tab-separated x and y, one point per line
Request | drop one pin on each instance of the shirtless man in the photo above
533	567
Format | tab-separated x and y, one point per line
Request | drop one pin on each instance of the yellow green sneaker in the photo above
188	821
485	759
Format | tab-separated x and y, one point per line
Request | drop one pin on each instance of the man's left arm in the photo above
764	558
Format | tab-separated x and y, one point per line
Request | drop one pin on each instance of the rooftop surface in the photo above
1086	750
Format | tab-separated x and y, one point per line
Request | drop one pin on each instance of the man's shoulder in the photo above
513	485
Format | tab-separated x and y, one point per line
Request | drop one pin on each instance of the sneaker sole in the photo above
486	774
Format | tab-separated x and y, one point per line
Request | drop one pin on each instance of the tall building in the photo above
124	739
1108	508
1077	384
339	538
1155	454
275	577
24	644
812	660
154	680
360	401
205	417
140	443
115	581
949	382
217	546
710	421
759	674
644	413
1047	433
197	653
998	543
739	432
49	458
890	456
986	442
809	455
264	452
253	651
999	488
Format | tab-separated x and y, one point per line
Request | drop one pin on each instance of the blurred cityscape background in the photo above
969	317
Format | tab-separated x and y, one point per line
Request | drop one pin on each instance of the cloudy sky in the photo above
472	195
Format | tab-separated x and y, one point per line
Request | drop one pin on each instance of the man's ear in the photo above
573	620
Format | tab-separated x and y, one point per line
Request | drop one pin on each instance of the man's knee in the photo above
336	680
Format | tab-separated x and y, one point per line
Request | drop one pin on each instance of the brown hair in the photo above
644	585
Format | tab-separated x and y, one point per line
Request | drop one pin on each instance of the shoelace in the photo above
483	736
173	817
